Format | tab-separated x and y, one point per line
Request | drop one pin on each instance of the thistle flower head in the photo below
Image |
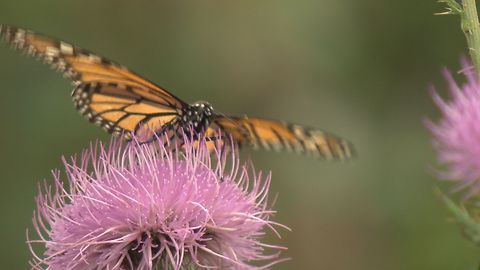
456	136
148	206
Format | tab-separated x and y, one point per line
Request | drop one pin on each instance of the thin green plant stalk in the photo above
470	26
471	29
468	223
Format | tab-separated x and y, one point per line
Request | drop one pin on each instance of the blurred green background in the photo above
360	69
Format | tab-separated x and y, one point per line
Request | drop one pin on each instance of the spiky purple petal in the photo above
457	134
146	206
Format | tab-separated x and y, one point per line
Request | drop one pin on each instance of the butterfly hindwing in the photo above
119	113
270	134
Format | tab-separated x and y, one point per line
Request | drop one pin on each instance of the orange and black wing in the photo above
270	134
107	93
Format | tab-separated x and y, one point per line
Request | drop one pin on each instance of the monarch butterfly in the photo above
123	102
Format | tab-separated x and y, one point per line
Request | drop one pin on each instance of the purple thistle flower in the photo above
457	135
148	207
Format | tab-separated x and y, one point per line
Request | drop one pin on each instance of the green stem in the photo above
471	27
470	226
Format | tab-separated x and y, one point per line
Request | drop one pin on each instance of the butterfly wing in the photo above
270	134
122	111
106	93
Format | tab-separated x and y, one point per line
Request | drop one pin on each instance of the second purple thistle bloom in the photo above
146	207
456	136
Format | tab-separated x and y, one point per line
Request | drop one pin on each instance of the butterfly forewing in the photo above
107	93
82	66
270	134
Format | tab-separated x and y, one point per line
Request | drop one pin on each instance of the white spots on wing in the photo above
94	58
98	120
60	65
299	132
53	56
117	131
83	109
107	126
18	40
20	36
31	50
66	48
52	51
70	73
265	145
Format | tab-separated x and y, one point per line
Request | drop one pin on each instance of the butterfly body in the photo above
198	116
124	103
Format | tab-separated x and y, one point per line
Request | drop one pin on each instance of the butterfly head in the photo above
198	116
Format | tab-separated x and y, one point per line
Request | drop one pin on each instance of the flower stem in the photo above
469	225
469	24
471	29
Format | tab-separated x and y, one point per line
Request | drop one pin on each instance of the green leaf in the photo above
453	7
